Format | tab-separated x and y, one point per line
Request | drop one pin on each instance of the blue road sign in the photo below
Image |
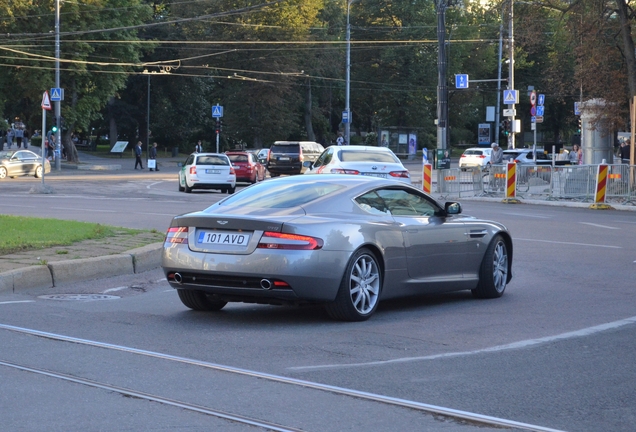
511	97
57	94
577	110
345	117
217	111
461	81
540	110
541	99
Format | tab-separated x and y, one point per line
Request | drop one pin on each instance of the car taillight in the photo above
300	154
344	171
482	157
462	156
400	174
269	152
232	171
193	170
177	235
274	240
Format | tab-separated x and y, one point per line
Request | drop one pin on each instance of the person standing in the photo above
138	155
198	148
574	155
340	140
152	154
10	135
624	152
19	132
496	157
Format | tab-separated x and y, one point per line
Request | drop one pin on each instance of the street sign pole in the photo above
46	105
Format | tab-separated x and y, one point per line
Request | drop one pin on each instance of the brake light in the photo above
344	171
400	174
193	169
177	235
269	152
463	156
232	171
300	154
274	240
482	157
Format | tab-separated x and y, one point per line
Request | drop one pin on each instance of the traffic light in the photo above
54	129
579	130
218	126
506	127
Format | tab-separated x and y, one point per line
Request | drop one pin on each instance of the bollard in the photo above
511	183
426	177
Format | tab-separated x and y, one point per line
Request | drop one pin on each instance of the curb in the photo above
133	261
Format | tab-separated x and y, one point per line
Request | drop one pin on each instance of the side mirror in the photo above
307	164
453	208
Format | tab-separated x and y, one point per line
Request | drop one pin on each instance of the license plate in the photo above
210	171
283	158
233	238
375	175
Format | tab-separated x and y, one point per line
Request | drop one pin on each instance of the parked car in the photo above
14	163
478	157
342	241
524	156
246	166
359	160
207	171
287	157
261	155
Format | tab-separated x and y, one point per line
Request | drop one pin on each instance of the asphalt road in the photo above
556	351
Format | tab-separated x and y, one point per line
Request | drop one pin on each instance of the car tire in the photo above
231	190
3	172
38	171
199	301
359	292
493	273
186	188
181	188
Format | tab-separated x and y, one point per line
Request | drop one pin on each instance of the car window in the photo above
238	157
323	158
285	148
473	152
366	156
372	203
401	202
280	195
189	160
212	160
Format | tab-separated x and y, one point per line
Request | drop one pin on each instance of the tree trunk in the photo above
112	132
628	46
311	136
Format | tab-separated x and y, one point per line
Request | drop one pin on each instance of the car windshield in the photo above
366	156
281	194
285	148
473	152
212	160
237	158
6	154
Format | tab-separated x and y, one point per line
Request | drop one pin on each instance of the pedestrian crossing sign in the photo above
511	97
217	111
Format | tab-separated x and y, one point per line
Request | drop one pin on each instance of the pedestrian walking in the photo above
340	140
10	135
198	148
138	155
19	131
152	161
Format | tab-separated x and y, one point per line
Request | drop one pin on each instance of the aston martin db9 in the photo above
342	241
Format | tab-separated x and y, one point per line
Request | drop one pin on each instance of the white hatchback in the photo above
359	160
476	157
207	171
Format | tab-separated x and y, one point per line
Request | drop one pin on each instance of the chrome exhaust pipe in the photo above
266	284
178	278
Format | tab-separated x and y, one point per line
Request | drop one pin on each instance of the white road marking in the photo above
152	184
84	209
16	205
528	215
114	289
18	301
568	243
597	225
511	346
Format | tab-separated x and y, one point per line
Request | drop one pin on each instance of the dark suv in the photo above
287	157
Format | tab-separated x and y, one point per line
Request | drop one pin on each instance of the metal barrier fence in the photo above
572	182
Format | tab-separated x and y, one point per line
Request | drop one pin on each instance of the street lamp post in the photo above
348	77
148	122
442	89
58	104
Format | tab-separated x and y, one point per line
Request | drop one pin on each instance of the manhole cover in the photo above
78	297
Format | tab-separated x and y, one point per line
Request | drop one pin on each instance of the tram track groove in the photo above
465	416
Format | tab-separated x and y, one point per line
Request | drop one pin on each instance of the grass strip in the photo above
20	233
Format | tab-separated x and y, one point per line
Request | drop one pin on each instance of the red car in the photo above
247	167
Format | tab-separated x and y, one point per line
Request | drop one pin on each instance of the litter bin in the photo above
175	151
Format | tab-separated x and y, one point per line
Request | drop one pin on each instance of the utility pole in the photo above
442	89
347	136
511	77
58	104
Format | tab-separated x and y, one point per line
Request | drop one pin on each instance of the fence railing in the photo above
571	182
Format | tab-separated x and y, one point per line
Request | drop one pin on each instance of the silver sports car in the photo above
343	241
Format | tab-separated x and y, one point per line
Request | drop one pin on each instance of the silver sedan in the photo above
343	241
14	163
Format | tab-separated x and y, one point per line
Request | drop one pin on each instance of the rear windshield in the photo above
285	148
281	194
238	158
474	152
212	160
366	156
